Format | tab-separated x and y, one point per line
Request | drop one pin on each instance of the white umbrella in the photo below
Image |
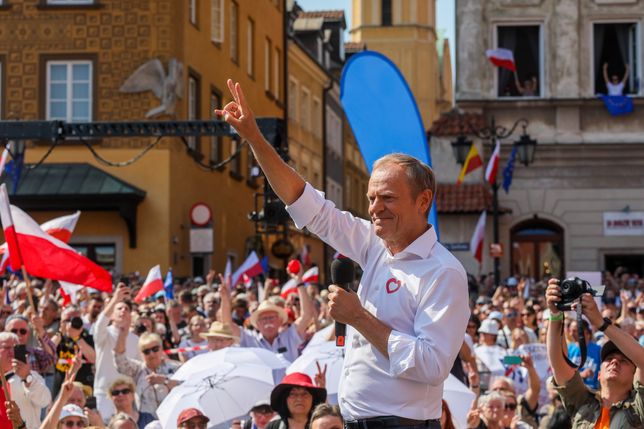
323	354
202	365
459	399
229	391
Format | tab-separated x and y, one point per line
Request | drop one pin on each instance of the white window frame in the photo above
591	90
217	27
293	99
70	85
192	11
268	48
305	108
234	32
250	47
542	63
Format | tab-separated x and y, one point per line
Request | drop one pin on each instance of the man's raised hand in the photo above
238	114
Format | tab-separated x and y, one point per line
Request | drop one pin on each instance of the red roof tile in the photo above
451	123
326	14
464	198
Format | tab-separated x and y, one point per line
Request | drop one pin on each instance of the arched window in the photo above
537	249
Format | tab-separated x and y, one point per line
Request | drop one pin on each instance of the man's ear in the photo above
424	200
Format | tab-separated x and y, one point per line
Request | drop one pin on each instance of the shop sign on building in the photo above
624	223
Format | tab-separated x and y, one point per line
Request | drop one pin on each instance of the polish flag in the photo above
311	275
251	267
43	255
501	57
476	243
68	292
60	227
289	288
493	164
153	284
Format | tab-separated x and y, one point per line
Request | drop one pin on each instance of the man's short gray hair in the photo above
492	396
420	175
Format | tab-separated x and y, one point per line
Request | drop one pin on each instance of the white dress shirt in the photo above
420	293
30	400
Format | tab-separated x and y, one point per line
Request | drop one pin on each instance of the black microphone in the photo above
341	275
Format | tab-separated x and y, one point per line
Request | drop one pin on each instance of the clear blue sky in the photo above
444	15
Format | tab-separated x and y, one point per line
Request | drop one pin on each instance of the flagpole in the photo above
7	394
28	287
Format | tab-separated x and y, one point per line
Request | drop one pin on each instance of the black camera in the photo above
572	289
76	322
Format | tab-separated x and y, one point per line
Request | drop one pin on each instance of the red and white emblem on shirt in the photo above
393	285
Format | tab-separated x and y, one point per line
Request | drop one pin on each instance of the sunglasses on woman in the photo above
152	349
20	331
125	391
71	423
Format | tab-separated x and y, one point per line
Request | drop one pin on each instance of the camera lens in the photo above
76	322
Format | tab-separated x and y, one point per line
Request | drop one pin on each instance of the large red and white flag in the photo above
43	255
61	227
476	243
251	267
153	284
311	275
493	164
501	57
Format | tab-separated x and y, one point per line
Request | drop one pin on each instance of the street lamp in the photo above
526	147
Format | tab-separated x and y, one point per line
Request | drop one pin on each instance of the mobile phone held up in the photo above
20	353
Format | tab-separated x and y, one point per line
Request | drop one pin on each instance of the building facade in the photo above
86	60
580	205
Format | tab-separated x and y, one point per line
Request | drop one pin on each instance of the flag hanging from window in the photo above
472	162
618	105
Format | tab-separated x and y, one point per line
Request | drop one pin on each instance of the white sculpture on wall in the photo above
152	77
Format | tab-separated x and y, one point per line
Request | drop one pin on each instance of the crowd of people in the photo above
108	360
116	350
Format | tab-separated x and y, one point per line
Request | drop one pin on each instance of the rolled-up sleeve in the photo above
344	232
427	356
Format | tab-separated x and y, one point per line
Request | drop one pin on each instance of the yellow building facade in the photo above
306	83
91	50
405	32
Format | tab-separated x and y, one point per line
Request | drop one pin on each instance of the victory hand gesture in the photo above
237	113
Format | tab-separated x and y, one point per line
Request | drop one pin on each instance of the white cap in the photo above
495	315
489	326
72	410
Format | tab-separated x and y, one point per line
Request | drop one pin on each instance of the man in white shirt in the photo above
117	312
408	319
27	387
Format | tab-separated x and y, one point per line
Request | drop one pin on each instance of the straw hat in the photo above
265	307
221	330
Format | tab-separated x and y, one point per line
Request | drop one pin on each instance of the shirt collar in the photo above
421	247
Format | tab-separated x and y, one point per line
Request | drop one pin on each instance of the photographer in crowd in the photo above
618	404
